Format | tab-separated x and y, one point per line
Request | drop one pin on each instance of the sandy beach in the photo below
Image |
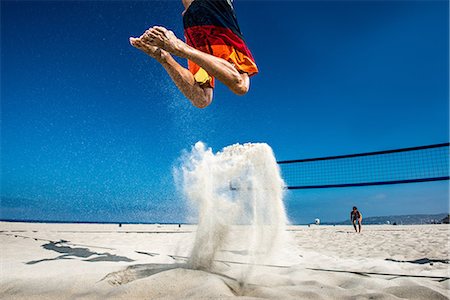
98	261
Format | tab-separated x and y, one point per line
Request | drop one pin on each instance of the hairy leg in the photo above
200	96
221	69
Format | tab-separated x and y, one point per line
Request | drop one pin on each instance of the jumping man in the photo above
214	48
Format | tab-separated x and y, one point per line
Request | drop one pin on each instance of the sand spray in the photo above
237	194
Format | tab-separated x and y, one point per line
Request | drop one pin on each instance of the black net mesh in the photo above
417	164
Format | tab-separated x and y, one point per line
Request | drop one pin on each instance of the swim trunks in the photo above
211	26
356	215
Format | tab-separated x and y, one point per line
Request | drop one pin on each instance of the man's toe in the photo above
160	30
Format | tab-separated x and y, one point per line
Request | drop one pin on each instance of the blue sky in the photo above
91	128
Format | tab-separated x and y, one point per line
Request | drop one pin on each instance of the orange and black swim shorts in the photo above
211	26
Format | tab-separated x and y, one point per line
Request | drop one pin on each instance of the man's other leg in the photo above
239	83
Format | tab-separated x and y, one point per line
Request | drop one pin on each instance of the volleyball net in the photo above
406	165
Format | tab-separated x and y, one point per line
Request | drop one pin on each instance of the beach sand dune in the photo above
99	261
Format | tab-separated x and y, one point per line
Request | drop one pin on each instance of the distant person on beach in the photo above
214	48
356	216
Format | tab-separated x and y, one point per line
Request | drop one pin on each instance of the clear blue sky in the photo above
91	128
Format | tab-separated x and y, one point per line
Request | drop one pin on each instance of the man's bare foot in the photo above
153	51
165	39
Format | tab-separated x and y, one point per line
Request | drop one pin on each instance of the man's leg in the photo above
354	225
359	225
221	69
183	79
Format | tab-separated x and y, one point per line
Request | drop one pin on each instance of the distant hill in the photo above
404	220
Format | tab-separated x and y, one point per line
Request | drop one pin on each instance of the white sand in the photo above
137	262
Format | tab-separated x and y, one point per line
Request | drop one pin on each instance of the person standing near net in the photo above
214	47
356	216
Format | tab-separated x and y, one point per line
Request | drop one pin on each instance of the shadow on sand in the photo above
135	272
367	274
139	271
421	261
77	252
